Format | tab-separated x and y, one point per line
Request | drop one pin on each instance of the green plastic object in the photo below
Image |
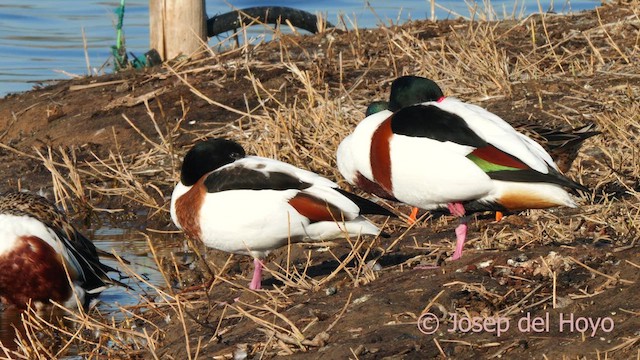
119	50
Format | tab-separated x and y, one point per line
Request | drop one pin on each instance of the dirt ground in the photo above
564	280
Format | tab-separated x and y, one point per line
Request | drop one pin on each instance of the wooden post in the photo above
177	27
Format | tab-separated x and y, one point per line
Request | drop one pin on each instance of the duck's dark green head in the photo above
376	107
411	90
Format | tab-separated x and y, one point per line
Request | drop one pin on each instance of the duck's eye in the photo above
235	156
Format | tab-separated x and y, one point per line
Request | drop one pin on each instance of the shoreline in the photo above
123	137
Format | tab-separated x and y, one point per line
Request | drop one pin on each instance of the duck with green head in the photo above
435	152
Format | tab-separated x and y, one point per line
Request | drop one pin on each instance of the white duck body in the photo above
252	205
254	222
431	172
447	176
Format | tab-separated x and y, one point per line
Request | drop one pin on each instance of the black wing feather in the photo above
432	122
531	176
367	207
242	178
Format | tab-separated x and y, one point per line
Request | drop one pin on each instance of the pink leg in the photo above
461	236
257	275
457	209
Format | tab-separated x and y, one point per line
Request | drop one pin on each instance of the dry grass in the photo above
301	120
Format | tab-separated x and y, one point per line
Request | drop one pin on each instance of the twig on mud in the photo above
513	309
95	85
612	278
431	302
340	314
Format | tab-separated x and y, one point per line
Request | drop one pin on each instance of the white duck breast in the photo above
13	227
353	153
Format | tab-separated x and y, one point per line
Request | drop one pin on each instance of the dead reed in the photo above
536	69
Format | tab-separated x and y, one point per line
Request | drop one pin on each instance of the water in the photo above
42	40
132	246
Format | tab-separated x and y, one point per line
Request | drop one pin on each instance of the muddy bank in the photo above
122	136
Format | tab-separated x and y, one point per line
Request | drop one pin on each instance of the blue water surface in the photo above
42	40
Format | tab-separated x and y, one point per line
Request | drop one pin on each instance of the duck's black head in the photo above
207	156
376	107
411	90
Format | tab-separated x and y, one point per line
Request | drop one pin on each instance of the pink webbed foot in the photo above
257	275
456	209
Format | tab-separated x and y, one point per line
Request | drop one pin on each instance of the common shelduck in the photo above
562	144
436	152
252	205
38	248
